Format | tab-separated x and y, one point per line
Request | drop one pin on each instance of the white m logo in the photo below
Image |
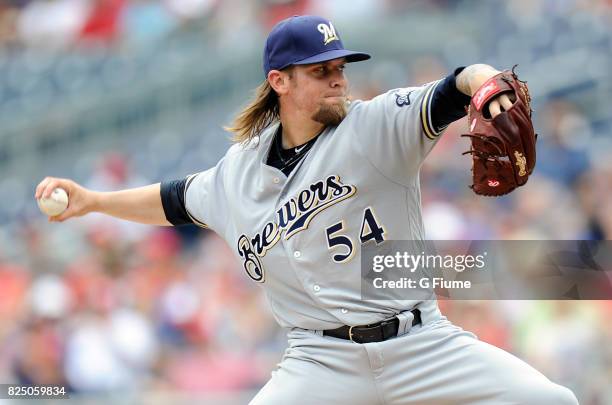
329	33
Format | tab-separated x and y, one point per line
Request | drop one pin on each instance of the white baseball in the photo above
55	204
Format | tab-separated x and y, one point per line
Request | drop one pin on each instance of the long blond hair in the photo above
262	111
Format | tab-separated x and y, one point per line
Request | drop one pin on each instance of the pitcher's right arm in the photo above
142	204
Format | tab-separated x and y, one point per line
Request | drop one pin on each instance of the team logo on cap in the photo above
329	33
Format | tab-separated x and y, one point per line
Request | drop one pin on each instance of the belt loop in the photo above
405	322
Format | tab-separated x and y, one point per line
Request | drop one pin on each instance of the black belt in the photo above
376	332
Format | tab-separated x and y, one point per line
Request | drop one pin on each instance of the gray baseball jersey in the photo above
300	236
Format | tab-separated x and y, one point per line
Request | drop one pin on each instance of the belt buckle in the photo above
351	334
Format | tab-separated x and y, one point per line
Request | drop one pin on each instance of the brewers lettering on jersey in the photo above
312	179
291	218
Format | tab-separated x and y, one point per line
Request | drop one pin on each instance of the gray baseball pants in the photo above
434	363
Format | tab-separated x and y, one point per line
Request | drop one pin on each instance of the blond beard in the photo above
330	114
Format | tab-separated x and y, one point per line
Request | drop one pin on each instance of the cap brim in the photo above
351	56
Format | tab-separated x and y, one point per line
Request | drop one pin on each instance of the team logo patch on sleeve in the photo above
402	98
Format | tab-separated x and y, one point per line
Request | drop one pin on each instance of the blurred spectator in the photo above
481	318
14	284
145	22
444	221
52	23
9	16
537	210
591	191
49	297
563	360
114	172
191	9
273	11
563	142
103	22
39	354
348	10
111	352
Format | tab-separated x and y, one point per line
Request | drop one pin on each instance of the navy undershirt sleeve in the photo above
173	201
448	103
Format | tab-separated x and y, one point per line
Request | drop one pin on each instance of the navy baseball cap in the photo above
300	40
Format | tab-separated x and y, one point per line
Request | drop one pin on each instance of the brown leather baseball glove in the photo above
503	148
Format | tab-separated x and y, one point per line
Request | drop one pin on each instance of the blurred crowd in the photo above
147	315
102	305
61	24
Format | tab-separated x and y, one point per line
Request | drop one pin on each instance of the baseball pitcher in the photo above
311	179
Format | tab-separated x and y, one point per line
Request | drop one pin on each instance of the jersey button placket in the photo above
297	254
276	180
316	288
